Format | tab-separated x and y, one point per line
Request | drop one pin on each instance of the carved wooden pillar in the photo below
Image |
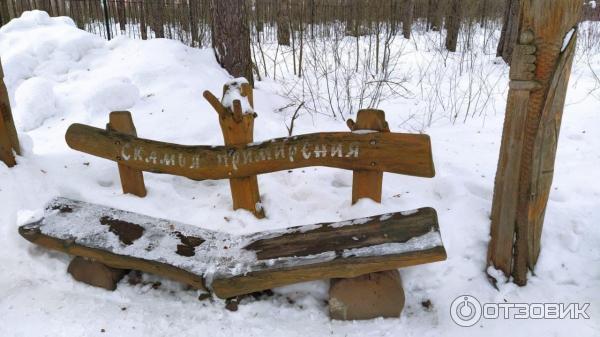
548	31
238	129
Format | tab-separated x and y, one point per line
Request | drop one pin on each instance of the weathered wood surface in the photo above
6	148
506	190
525	169
367	297
346	268
132	180
237	264
9	141
95	273
390	152
238	129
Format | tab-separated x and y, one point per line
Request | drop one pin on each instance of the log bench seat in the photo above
231	265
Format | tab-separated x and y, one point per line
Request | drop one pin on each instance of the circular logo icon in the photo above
465	310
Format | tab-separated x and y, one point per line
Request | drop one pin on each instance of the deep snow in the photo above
57	75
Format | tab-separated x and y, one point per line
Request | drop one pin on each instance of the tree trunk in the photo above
433	15
540	70
483	13
122	15
407	17
510	29
143	24
283	23
231	37
5	14
157	23
453	25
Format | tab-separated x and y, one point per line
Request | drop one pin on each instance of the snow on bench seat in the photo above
232	265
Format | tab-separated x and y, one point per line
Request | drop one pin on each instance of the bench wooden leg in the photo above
367	296
95	273
376	294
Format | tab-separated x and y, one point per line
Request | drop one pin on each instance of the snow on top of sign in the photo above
235	93
364	131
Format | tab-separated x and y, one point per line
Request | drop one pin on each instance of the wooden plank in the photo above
298	242
34	235
515	244
9	124
132	180
390	152
546	144
346	268
504	211
237	264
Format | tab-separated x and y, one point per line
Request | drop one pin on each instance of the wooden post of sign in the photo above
9	141
238	129
367	184
376	294
540	70
132	180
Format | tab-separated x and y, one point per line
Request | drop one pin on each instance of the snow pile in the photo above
58	75
235	93
36	102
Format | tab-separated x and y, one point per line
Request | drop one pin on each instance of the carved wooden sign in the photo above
369	149
390	152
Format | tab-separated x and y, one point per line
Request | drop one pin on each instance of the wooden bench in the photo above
231	265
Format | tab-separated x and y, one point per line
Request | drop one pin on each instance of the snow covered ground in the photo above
57	75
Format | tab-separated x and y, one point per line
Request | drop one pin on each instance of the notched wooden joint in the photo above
526	37
351	124
524	85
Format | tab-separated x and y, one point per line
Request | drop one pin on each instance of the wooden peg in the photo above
350	123
237	111
246	91
215	103
132	180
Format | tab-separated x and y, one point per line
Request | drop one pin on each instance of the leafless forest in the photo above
335	56
189	20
